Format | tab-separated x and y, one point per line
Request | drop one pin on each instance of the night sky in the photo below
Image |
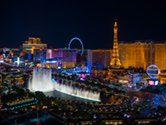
58	21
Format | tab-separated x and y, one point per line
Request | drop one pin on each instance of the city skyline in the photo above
68	62
56	22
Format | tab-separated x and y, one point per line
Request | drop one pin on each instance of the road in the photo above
157	99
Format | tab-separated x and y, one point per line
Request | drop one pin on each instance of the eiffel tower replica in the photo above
115	61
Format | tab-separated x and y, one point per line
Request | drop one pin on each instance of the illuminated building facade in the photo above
15	52
162	78
39	55
33	43
9	53
160	55
54	63
141	54
89	60
99	58
115	62
5	52
67	56
82	57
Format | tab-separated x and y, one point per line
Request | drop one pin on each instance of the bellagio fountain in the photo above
42	81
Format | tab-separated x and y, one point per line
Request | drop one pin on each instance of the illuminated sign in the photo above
153	82
82	75
59	67
156	83
18	60
51	61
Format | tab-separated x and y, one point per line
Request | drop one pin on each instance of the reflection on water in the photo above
64	96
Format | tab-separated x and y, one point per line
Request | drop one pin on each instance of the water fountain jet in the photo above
41	81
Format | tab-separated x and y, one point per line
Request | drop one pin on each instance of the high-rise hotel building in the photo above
137	54
67	57
142	54
99	58
33	43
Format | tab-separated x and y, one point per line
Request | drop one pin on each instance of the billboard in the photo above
153	82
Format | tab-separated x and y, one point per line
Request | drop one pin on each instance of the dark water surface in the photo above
65	96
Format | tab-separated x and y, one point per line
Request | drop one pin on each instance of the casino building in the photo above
142	53
137	54
99	58
65	57
31	44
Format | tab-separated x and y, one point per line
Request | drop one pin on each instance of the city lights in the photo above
72	62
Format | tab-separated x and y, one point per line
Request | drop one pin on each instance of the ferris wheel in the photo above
76	38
